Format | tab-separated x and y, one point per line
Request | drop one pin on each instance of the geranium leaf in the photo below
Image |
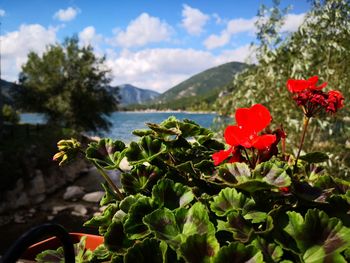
172	195
196	221
253	185
142	132
199	248
109	196
106	153
145	251
314	157
133	225
188	128
162	130
256	217
271	251
145	151
102	221
128	201
240	171
238	226
140	179
240	253
115	239
101	254
318	235
230	200
272	174
162	223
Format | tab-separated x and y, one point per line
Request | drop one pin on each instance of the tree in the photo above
69	84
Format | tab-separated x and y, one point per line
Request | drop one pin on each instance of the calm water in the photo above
123	123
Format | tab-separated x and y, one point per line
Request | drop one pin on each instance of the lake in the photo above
123	123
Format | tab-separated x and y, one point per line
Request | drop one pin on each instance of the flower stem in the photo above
110	182
306	123
246	154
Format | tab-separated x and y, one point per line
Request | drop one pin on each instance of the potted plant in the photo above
189	197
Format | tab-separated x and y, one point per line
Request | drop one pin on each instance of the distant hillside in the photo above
132	95
198	91
5	91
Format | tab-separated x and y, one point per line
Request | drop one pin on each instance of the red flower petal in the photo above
221	156
296	85
313	80
253	119
263	141
235	136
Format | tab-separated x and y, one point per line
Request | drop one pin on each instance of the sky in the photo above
152	44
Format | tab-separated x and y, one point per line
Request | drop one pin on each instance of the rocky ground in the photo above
70	207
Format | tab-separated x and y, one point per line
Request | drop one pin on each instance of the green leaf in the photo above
148	149
109	196
115	239
197	221
106	153
102	221
140	179
133	225
188	128
128	201
101	254
236	173
236	224
318	236
142	133
240	253
315	157
230	200
172	195
256	217
272	174
162	223
199	248
145	251
162	130
271	251
51	256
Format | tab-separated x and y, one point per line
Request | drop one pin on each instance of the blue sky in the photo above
151	44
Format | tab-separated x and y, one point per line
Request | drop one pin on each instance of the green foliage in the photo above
178	207
57	256
68	84
320	47
9	114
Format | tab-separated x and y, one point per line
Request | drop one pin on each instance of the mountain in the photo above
200	90
5	91
132	95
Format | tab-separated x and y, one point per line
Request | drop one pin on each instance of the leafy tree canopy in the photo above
69	84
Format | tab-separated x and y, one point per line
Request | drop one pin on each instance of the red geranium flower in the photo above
335	101
298	85
250	121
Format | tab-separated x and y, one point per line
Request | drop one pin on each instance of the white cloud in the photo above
65	15
239	25
242	25
193	20
17	44
88	36
215	41
143	30
160	69
2	12
292	22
